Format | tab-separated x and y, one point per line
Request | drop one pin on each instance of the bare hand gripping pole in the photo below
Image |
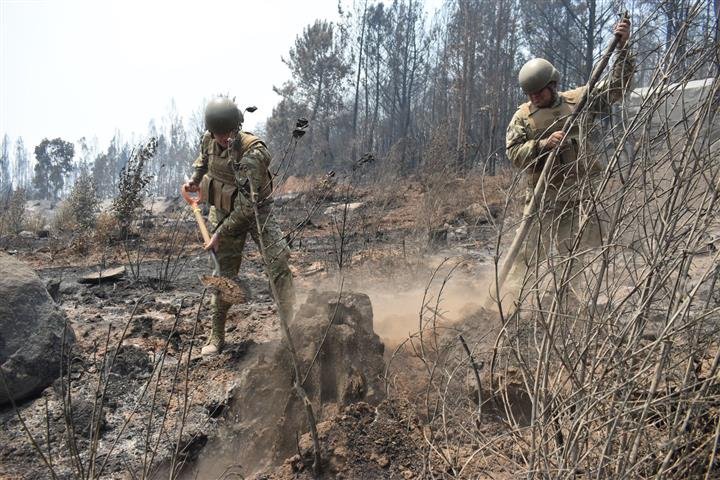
527	220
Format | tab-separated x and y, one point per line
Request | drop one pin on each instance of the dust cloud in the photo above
399	306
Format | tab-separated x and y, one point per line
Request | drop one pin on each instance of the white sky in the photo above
74	68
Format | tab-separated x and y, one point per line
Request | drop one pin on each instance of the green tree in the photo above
5	180
13	216
378	28
107	165
406	50
54	162
102	173
21	170
83	200
178	153
319	67
132	186
320	71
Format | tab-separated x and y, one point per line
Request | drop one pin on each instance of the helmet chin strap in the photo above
552	86
553	89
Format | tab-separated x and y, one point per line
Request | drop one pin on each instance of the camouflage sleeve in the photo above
613	88
200	168
519	147
252	167
200	165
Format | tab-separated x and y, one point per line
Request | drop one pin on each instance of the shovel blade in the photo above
227	289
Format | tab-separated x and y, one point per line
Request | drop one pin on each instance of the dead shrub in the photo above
106	225
64	219
36	221
13	212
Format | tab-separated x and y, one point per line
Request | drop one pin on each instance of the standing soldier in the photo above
535	131
231	164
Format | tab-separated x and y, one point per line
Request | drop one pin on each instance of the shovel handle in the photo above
193	201
201	223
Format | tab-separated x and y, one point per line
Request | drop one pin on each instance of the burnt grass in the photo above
136	399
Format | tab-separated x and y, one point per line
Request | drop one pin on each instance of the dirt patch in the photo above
362	442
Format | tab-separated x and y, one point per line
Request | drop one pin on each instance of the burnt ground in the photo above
138	338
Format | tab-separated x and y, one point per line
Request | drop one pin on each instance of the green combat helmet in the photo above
536	74
222	115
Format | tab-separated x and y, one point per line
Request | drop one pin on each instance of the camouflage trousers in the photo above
553	240
230	251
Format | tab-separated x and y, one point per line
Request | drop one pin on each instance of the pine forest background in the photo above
413	90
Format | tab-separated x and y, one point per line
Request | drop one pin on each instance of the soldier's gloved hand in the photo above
623	30
553	140
191	187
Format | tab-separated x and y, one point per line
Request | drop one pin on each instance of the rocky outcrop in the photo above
342	359
349	365
31	332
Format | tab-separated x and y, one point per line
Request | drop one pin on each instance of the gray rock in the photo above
281	200
438	237
350	365
340	208
335	337
87	417
31	332
163	205
353	309
480	214
53	287
68	288
461	232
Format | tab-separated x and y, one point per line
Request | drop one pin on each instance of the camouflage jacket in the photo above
246	168
523	141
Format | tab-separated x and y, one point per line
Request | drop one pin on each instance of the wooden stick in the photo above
285	325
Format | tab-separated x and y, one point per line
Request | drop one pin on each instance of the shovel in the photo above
228	290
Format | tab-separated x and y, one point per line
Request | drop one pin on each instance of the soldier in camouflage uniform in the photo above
231	164
536	130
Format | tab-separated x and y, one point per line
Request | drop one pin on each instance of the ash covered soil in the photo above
136	399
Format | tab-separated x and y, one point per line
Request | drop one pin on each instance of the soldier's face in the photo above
542	99
224	139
